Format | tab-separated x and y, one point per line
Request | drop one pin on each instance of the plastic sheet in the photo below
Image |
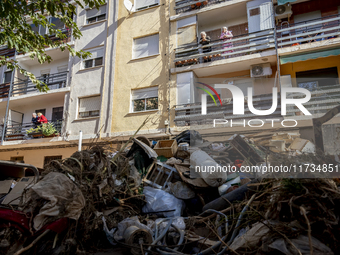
158	200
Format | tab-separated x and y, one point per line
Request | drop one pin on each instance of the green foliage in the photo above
47	129
17	33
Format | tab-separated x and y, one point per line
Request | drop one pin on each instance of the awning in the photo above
311	55
282	2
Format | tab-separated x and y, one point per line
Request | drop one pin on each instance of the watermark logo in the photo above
238	99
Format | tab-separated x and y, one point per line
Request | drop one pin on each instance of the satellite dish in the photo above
128	5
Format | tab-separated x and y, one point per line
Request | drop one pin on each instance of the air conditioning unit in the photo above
283	11
260	70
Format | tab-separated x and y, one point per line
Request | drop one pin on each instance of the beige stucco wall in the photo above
140	73
36	157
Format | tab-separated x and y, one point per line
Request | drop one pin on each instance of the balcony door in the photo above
57	116
57	113
45	74
62	76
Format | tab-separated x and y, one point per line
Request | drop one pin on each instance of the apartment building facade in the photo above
79	95
283	43
147	62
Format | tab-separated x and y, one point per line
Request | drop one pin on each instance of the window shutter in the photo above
97	53
144	93
95	12
145	3
146	46
89	104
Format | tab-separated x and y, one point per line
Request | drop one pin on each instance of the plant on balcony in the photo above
46	129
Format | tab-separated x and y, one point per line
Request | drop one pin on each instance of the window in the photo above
317	78
17	159
58	24
41	30
7	76
254	12
145	46
89	107
96	58
48	159
94	15
57	113
43	111
144	99
44	75
143	4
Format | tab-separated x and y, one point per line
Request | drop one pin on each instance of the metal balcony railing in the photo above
5	51
314	30
17	131
190	5
323	99
189	114
241	45
53	81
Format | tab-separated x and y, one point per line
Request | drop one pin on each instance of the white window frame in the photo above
79	116
95	16
150	92
93	58
134	45
143	7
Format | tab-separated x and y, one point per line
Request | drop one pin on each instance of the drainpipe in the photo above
105	68
276	48
169	82
8	98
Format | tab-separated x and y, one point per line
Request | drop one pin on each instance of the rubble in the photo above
130	198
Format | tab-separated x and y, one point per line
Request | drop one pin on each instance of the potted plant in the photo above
34	132
48	130
44	130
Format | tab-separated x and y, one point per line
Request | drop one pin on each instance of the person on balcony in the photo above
35	120
41	118
226	36
205	40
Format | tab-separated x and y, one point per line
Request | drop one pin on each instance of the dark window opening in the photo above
57	113
43	111
17	159
48	159
255	11
7	76
318	78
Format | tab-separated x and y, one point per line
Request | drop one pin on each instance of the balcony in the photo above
17	131
323	99
190	5
190	114
4	51
53	81
315	30
246	44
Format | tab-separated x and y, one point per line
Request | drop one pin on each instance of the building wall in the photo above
312	64
96	80
36	157
218	25
143	72
53	67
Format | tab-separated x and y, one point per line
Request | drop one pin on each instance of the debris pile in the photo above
150	198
